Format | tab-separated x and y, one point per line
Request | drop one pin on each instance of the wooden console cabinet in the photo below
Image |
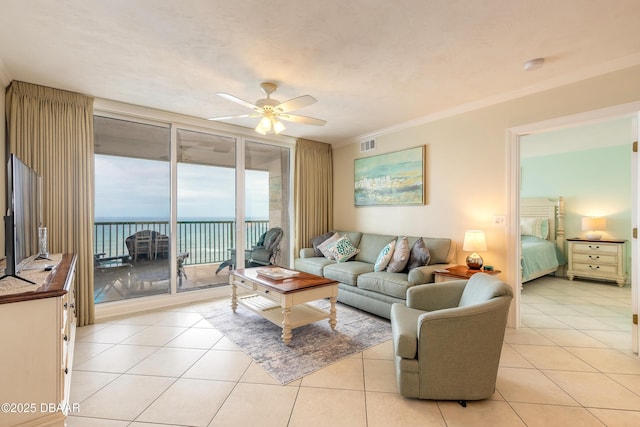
38	330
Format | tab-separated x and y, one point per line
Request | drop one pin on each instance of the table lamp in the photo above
592	225
474	241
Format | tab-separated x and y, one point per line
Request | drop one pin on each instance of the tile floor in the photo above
569	365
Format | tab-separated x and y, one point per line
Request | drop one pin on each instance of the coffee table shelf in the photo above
300	315
284	302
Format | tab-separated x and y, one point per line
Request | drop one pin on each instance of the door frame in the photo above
513	225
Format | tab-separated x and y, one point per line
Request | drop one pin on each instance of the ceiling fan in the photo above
272	111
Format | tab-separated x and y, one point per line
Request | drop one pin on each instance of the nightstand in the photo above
459	272
596	259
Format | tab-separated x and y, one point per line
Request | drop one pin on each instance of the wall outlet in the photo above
500	220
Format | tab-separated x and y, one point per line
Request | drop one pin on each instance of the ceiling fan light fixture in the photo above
278	126
265	125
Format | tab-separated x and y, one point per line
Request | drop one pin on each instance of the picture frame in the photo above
391	179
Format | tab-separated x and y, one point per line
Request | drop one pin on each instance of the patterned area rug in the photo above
312	347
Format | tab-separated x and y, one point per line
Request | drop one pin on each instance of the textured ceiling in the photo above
371	65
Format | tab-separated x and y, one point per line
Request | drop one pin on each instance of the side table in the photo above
459	272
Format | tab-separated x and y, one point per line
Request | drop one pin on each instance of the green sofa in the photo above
360	286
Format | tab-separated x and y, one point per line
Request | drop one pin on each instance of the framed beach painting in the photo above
391	179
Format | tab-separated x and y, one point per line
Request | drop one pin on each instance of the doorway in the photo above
515	137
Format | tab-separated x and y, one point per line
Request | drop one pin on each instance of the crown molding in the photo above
559	81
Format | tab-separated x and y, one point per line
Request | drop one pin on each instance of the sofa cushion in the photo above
313	265
438	249
325	247
343	249
347	272
371	245
316	241
400	256
419	255
384	256
383	282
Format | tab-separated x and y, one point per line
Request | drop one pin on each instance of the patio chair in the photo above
140	243
263	253
160	246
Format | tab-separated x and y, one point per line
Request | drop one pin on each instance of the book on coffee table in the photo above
277	273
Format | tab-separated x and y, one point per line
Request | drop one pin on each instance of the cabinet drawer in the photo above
591	247
595	258
595	268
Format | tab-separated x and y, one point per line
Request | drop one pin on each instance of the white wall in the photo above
467	164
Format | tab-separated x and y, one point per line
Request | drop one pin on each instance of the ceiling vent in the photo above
368	145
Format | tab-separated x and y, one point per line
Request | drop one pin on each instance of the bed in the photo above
542	237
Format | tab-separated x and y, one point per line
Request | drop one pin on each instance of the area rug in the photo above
312	347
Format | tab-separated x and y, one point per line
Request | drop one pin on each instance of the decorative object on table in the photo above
277	273
43	251
315	347
474	241
396	178
592	225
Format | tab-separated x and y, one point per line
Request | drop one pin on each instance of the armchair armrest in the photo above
435	296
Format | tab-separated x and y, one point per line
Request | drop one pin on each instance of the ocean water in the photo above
207	240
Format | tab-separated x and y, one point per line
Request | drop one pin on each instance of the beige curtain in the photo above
313	191
51	131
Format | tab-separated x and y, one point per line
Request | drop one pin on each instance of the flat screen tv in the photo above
23	216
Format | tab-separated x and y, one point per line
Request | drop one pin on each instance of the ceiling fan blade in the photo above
295	103
239	101
235	117
302	119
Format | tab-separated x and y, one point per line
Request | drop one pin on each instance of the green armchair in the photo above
447	340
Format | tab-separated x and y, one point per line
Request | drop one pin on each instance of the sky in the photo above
136	188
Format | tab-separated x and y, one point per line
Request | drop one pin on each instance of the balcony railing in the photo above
206	241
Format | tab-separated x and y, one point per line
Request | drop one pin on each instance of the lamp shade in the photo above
474	241
593	224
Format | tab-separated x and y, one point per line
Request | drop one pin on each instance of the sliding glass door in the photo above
178	207
132	208
206	208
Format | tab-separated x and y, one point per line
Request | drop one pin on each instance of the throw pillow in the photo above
324	246
385	256
400	256
534	226
316	241
419	255
343	249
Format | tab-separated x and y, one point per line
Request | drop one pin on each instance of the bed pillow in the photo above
419	255
385	256
316	241
325	246
400	256
534	226
343	249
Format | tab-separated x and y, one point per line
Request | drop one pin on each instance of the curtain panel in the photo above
313	191
51	130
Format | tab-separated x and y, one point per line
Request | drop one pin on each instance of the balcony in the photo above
201	247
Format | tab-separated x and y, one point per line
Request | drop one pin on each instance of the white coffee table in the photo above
283	301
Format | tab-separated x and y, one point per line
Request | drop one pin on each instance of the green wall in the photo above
594	182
